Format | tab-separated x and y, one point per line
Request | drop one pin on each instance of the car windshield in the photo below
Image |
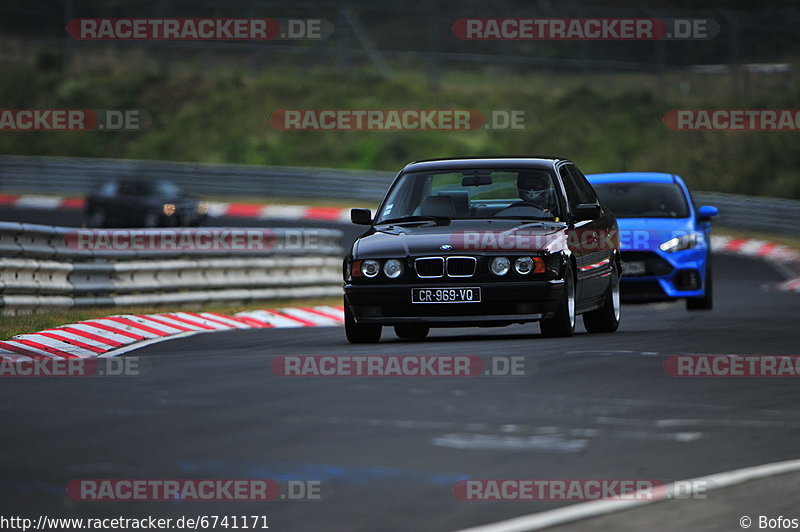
167	188
149	188
643	200
472	194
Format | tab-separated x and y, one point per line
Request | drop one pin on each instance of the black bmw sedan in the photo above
484	242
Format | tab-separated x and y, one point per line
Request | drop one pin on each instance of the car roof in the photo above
632	177
482	162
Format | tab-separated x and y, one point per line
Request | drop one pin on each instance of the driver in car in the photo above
536	188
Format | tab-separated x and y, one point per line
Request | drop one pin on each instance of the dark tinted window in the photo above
167	187
131	188
148	188
574	194
585	189
644	200
108	189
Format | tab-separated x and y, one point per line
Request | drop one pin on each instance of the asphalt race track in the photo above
388	450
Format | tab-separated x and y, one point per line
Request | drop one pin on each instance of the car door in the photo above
575	230
599	252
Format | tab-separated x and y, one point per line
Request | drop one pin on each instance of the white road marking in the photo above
585	510
495	442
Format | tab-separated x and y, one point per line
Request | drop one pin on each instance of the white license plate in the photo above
633	268
445	295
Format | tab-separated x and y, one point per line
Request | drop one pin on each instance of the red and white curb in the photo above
787	259
115	335
118	334
260	211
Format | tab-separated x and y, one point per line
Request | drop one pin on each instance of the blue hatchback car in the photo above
664	238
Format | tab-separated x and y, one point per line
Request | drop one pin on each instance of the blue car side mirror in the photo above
706	213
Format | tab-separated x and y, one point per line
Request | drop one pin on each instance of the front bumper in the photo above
668	276
502	303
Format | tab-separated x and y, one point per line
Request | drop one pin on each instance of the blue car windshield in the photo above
643	200
473	194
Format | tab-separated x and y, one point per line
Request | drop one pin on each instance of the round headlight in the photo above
169	209
370	268
523	265
500	265
393	268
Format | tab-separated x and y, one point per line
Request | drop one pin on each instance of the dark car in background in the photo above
484	242
142	203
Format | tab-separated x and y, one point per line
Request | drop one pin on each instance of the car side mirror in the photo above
587	211
361	216
706	213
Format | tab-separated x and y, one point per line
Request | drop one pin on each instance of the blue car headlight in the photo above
687	241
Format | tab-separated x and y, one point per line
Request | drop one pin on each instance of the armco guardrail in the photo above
755	213
76	176
43	267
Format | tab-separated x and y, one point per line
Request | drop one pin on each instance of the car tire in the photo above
563	323
606	318
706	302
96	218
360	333
411	332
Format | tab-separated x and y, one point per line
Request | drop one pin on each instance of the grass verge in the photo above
223	116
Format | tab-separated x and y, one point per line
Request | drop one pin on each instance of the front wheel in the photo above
563	323
606	318
359	333
411	332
